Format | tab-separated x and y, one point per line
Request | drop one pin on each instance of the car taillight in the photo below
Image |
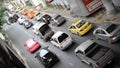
61	46
111	36
97	63
81	30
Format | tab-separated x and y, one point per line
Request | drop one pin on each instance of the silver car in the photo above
109	32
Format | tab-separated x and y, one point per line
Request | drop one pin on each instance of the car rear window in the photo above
111	28
62	37
80	24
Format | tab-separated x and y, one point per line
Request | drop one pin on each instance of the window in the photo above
62	37
111	28
80	23
72	27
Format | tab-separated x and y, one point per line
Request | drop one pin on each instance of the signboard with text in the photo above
92	5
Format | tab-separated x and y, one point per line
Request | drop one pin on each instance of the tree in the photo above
2	10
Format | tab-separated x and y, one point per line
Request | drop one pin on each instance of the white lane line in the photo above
71	64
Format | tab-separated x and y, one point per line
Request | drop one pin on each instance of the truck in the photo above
45	31
94	54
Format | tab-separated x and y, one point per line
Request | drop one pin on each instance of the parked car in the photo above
94	54
21	20
61	40
46	57
13	19
25	11
35	28
45	18
27	24
57	20
32	45
109	32
38	16
80	27
31	14
45	31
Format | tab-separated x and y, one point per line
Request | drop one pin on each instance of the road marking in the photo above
71	64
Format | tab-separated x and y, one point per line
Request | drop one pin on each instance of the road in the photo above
18	34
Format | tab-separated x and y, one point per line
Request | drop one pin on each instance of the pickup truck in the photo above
45	31
94	54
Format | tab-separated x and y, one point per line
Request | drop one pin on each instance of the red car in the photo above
32	45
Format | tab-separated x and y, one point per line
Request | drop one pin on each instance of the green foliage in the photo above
2	10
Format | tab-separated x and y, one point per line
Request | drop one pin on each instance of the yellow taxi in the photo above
31	14
80	27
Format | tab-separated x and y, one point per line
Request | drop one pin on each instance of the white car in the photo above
21	20
61	40
35	28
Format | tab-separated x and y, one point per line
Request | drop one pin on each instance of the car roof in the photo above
38	25
57	34
106	25
82	47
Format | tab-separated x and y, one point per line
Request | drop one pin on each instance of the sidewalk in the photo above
97	17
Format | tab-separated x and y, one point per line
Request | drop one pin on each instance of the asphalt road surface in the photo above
18	34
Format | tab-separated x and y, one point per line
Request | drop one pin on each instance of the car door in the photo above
100	33
73	29
55	42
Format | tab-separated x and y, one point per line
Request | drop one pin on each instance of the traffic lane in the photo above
79	40
20	34
19	37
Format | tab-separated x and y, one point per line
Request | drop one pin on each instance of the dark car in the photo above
58	20
27	24
47	57
13	18
46	18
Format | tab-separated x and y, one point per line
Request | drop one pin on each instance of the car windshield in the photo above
30	43
62	37
111	28
43	52
44	29
80	24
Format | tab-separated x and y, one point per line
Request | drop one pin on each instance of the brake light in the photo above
81	30
111	36
61	46
97	63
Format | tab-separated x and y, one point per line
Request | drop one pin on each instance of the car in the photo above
58	20
31	14
35	28
21	20
61	40
46	57
32	45
45	31
27	24
37	16
25	11
109	32
13	18
46	18
80	27
94	54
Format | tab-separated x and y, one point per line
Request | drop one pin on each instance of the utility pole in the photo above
110	8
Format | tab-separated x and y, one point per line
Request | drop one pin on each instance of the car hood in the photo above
116	31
